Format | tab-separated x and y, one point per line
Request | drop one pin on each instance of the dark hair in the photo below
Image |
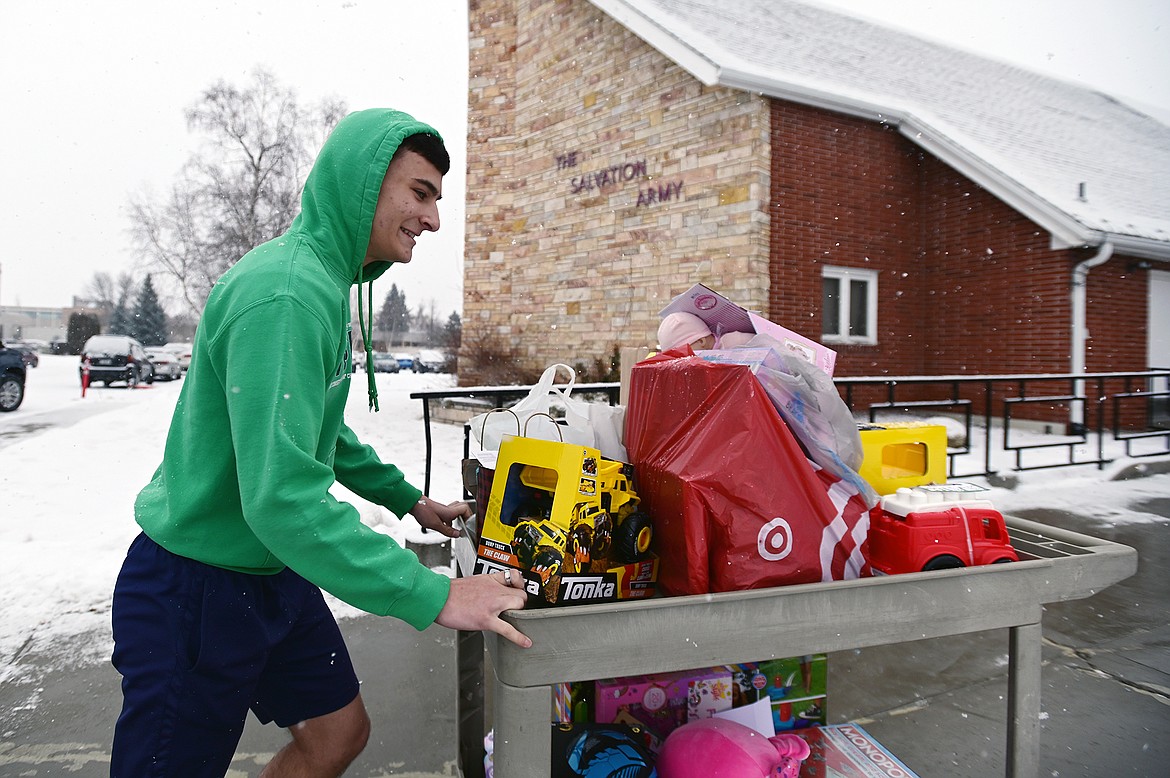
430	147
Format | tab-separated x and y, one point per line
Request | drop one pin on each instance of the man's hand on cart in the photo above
476	602
439	517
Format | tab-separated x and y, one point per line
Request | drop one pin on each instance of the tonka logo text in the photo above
591	588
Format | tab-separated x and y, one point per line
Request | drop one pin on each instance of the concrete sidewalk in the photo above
939	705
57	720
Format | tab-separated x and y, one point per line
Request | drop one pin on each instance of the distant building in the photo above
44	325
19	322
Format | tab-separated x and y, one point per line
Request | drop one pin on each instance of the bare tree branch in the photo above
241	189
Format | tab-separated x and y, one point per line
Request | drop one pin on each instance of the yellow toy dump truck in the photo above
568	519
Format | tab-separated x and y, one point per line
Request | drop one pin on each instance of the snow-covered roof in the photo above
1083	165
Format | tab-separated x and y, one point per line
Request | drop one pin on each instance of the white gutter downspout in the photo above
1080	330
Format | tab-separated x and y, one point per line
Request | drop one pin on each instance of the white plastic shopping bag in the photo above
604	423
597	425
490	428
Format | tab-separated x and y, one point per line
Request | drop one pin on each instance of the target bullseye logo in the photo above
775	540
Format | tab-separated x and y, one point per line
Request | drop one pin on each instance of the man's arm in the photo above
360	470
275	412
473	603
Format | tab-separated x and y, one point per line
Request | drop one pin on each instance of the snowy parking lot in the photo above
70	468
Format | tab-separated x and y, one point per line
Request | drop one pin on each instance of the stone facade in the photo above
602	180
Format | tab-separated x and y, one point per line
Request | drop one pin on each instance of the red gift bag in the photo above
735	502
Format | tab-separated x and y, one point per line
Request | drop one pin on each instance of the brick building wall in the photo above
1118	333
1000	300
1118	316
602	181
844	192
966	284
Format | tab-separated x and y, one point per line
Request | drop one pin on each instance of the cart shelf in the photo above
588	642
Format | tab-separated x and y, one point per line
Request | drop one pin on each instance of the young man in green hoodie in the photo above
218	607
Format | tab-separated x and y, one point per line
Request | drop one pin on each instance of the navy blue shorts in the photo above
198	646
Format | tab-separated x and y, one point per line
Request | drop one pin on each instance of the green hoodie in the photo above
258	438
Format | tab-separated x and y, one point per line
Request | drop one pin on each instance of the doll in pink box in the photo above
686	329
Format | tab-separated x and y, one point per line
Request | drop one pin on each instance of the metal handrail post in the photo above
429	447
987	388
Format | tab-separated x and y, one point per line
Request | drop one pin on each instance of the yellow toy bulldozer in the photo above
568	519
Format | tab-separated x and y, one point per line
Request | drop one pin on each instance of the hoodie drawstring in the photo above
367	331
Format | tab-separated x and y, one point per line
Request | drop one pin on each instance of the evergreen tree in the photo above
149	323
395	316
121	319
81	327
453	333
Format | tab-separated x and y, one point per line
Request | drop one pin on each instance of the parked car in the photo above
28	352
165	363
29	355
430	360
12	375
183	350
405	361
112	358
385	363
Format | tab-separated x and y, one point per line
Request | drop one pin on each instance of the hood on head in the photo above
340	197
341	192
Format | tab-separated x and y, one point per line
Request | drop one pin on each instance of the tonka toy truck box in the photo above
722	315
936	527
898	455
848	751
663	702
568	520
796	687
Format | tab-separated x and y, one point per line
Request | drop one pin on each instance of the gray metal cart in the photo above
587	642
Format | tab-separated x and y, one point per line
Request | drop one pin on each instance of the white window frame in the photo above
845	276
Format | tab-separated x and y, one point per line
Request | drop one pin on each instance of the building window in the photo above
849	305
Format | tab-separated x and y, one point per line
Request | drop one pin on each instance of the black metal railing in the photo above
1078	414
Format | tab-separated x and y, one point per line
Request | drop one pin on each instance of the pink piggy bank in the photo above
719	748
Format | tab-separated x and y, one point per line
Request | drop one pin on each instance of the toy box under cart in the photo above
659	635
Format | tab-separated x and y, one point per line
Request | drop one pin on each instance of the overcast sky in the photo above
93	93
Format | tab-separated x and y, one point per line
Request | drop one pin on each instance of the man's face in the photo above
407	207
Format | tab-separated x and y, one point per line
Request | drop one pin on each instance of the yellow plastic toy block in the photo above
897	455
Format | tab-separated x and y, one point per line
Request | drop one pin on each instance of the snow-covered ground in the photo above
71	467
